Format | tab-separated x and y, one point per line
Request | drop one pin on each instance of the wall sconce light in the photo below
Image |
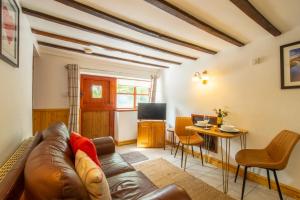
201	76
87	50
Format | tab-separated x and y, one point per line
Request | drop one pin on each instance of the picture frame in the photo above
10	32
290	65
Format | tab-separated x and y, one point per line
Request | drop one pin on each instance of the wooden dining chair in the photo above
274	157
186	138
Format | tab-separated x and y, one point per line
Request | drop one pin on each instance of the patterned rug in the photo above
163	173
134	157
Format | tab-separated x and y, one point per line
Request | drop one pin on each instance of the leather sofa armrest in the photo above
173	192
104	145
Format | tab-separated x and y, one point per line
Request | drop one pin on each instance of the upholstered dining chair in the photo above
274	157
186	138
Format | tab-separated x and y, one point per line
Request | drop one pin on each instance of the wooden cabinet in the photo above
151	134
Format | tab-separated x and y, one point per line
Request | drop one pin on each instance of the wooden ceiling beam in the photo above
253	13
99	55
179	13
99	32
81	42
132	26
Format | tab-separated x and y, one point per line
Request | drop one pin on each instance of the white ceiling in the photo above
221	14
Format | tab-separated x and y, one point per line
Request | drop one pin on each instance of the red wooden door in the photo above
97	103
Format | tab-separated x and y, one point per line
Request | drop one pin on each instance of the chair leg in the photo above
269	183
177	149
165	143
186	155
201	155
172	142
182	150
193	151
277	184
244	182
171	145
237	173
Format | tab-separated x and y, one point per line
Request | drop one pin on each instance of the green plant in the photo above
223	112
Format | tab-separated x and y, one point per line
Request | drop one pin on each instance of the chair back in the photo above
281	147
180	124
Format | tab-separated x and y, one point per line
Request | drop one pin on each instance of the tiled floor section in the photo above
209	174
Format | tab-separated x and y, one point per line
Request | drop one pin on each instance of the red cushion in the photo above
84	144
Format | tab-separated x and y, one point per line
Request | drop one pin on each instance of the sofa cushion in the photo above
92	177
113	164
49	170
84	144
130	185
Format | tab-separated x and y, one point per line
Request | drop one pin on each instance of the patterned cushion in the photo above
92	177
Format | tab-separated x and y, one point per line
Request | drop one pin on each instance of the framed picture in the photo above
290	65
10	25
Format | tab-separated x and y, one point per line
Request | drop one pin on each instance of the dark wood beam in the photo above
253	13
81	42
99	32
179	13
132	26
99	55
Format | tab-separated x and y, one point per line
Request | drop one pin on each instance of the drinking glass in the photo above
205	118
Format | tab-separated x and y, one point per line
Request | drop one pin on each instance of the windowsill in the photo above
125	110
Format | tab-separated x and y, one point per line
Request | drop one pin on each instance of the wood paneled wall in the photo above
42	118
95	124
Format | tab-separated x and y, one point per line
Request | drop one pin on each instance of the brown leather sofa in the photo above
49	172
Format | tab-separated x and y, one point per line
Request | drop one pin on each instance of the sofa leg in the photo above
244	182
277	184
237	173
268	175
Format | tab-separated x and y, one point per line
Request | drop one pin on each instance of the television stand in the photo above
151	133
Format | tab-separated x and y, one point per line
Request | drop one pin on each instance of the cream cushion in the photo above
92	177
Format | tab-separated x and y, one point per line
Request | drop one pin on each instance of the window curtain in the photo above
154	84
73	92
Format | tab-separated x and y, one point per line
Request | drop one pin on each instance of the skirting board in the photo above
286	189
125	142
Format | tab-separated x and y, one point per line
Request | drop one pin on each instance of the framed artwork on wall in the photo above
10	32
290	65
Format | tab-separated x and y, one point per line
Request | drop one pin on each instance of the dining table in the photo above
225	138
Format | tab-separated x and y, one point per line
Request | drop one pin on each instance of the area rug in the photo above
134	157
163	173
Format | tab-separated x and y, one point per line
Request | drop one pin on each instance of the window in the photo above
96	91
132	92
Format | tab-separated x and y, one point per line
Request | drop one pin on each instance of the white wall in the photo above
50	88
16	96
125	125
251	92
50	84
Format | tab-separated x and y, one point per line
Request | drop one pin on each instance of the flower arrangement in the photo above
221	112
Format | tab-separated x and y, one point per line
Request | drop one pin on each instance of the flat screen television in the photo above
152	111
